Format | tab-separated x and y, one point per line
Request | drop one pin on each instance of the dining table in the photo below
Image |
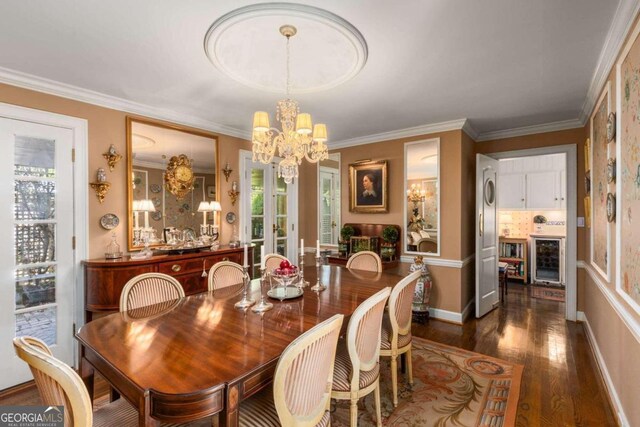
191	358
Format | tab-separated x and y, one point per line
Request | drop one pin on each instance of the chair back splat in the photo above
365	260
224	274
148	289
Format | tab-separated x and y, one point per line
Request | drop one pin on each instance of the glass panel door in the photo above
36	229
281	229
329	203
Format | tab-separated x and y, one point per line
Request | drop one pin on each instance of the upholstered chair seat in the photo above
301	390
365	260
343	367
261	411
387	333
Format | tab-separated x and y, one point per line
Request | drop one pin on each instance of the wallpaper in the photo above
629	176
599	224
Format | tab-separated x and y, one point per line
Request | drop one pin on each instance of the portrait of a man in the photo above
368	187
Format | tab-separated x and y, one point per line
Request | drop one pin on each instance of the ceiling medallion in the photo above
245	45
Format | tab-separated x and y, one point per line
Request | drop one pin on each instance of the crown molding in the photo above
530	130
469	130
622	20
400	133
39	84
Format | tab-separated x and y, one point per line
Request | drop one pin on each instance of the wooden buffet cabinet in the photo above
105	278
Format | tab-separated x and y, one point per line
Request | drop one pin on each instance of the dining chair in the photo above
272	261
149	288
357	367
365	260
300	394
396	328
60	385
224	274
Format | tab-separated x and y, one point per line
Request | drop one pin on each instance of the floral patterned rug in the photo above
452	387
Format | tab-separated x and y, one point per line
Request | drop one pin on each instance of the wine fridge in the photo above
547	260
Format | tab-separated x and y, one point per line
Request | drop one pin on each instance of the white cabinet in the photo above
535	184
511	191
542	190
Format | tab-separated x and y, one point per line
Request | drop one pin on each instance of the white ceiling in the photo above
501	64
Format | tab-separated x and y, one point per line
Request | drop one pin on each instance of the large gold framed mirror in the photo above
422	202
172	178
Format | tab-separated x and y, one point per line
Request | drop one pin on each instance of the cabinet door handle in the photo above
225	259
175	268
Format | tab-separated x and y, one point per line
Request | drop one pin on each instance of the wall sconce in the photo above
234	193
101	186
112	157
227	171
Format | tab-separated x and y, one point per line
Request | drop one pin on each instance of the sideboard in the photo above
105	278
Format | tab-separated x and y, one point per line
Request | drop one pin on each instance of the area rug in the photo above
452	387
542	292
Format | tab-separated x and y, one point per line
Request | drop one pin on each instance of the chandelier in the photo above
416	195
298	139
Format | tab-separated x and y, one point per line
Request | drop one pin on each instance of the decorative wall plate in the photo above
611	127
156	216
611	207
109	221
155	188
231	217
611	170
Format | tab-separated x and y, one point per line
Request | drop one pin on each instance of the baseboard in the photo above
447	316
613	394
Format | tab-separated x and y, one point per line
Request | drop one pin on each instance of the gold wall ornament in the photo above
234	193
179	177
227	172
101	189
112	157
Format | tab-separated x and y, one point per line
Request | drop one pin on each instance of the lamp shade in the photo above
261	121
146	205
320	132
204	207
215	206
303	123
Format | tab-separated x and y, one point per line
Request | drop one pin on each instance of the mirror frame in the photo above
150	122
406	203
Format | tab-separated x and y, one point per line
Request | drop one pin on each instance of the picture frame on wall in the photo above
600	231
368	187
627	172
211	191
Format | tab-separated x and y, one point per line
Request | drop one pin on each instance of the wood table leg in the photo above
87	373
230	415
144	414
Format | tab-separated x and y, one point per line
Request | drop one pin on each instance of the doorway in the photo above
329	200
43	233
537	217
268	209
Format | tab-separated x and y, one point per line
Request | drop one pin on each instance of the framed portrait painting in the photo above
368	187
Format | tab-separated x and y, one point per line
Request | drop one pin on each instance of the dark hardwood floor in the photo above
561	384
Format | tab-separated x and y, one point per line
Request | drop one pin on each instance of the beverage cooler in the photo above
547	260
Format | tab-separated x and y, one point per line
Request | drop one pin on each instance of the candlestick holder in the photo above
302	283
263	305
246	301
318	287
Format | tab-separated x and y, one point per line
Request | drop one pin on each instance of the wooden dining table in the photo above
198	356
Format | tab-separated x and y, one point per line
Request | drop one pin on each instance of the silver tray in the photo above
288	292
179	249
